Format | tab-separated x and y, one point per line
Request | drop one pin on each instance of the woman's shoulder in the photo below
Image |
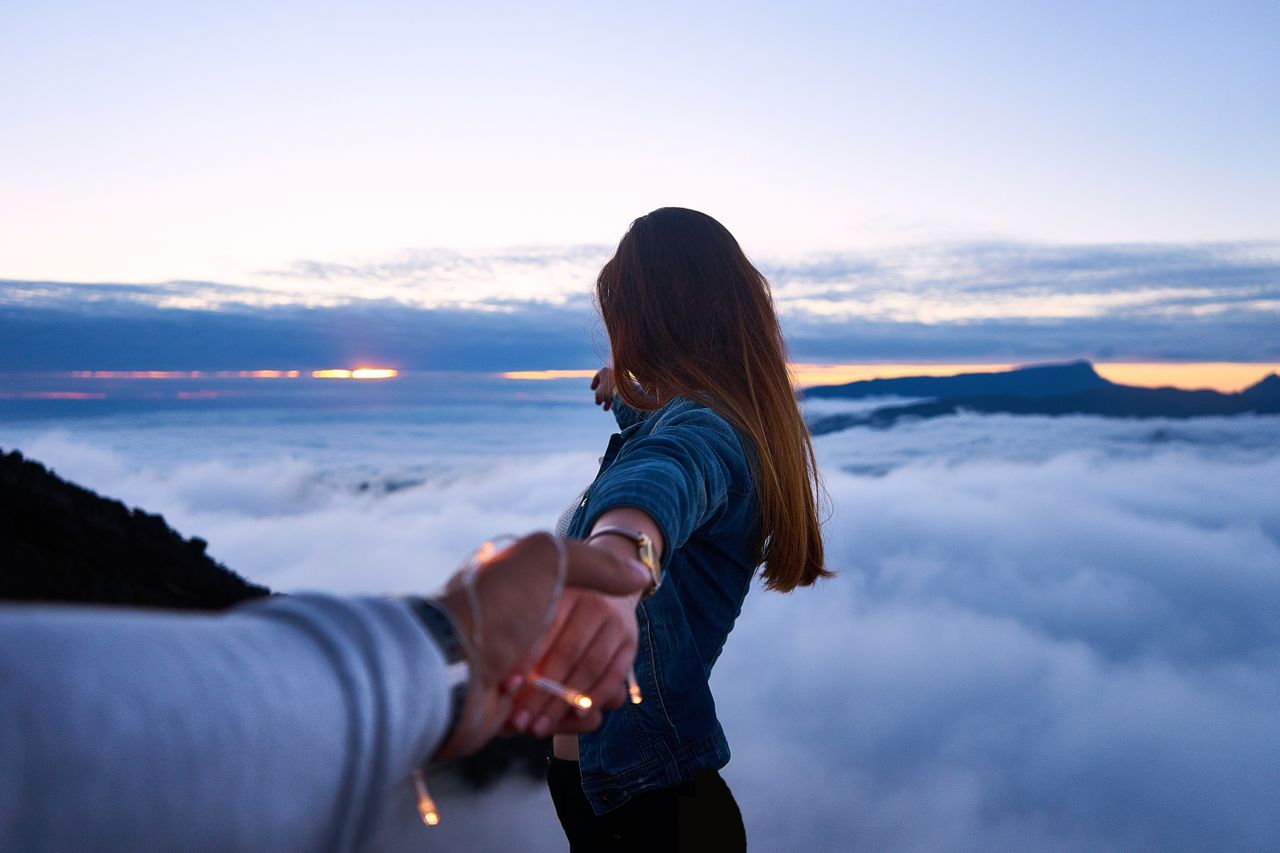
679	410
687	413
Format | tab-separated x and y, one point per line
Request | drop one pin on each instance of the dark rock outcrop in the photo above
59	542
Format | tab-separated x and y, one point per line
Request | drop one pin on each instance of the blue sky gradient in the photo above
150	141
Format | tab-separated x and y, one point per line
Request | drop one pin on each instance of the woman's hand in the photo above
513	591
591	647
587	650
604	387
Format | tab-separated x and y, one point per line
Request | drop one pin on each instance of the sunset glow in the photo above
542	375
358	373
1226	377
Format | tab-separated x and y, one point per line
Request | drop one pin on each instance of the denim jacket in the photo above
687	468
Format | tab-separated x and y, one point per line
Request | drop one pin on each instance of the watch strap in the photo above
439	626
644	552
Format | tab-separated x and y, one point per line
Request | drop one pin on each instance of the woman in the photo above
714	467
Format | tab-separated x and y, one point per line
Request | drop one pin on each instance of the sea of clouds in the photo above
1046	633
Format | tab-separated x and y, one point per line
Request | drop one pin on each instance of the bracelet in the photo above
644	551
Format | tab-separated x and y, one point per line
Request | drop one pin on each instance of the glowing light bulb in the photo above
426	806
633	689
485	553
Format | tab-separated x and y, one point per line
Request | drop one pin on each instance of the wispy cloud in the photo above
1008	281
988	301
449	278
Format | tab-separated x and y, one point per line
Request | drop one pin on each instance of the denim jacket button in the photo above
606	797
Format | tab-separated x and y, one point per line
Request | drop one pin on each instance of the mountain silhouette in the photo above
1037	381
1268	390
1065	389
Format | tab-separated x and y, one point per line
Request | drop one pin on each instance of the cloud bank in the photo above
531	308
1064	636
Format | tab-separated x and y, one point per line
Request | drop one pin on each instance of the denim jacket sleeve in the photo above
679	472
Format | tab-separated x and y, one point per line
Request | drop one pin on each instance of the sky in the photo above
152	141
307	184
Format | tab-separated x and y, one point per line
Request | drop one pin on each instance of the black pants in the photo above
696	815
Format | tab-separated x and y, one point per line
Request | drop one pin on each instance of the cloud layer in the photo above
531	308
1046	634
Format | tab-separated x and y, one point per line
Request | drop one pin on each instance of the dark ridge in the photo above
1267	389
63	543
59	542
1038	381
1116	401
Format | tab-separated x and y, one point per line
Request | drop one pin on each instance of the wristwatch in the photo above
439	626
644	552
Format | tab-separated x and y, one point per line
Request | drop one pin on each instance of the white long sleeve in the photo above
280	725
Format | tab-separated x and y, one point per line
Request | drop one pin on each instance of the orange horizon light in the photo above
357	373
1224	377
544	375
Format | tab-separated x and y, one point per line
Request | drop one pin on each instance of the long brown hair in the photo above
688	315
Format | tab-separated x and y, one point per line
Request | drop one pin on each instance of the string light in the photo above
426	806
468	575
633	688
568	694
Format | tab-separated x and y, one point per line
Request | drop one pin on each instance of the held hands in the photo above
513	593
591	647
592	643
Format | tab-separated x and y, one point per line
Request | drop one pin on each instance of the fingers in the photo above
598	569
585	675
611	686
589	652
602	384
563	641
581	640
603	676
